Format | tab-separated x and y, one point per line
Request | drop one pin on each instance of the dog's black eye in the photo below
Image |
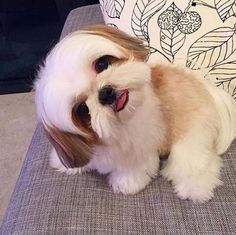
82	112
102	63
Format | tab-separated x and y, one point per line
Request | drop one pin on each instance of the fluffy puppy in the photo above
105	108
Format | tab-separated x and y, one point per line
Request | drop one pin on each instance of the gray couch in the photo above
47	202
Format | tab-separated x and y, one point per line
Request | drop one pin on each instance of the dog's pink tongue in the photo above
122	100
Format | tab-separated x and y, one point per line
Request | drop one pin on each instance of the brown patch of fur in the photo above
182	98
85	127
132	45
82	124
73	150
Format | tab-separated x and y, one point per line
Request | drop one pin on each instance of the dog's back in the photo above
226	107
185	95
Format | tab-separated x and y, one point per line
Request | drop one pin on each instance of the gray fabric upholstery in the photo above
82	17
47	202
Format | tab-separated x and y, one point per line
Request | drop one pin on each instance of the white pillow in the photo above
199	34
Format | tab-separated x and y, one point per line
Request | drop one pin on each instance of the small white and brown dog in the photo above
105	108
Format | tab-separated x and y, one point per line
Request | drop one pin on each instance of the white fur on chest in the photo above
137	141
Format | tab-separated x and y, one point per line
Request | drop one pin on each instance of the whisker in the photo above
130	108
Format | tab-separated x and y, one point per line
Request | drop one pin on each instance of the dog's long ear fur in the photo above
130	44
73	150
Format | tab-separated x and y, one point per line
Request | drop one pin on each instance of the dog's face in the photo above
90	87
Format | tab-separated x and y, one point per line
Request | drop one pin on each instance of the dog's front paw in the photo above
73	171
56	163
196	190
199	189
194	184
128	183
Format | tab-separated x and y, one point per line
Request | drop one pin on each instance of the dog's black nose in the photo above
107	95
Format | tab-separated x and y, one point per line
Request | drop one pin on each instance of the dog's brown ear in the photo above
73	150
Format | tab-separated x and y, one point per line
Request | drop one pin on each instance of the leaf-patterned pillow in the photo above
199	34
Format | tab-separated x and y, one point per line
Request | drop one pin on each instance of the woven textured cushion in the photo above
47	202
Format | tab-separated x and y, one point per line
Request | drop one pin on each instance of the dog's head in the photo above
90	86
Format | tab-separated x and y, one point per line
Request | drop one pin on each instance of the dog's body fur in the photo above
169	111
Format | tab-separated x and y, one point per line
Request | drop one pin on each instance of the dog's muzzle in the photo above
116	99
107	95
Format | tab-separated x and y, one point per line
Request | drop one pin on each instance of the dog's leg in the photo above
194	167
133	180
56	163
128	182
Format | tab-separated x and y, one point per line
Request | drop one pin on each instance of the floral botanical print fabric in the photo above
198	34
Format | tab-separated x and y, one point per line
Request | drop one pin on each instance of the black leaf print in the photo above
212	48
171	38
143	11
173	7
224	76
171	41
189	22
113	8
225	8
154	50
169	18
